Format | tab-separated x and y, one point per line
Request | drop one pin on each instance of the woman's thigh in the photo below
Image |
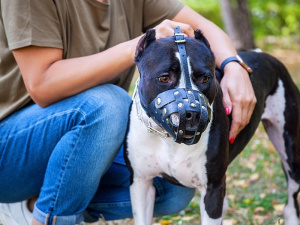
29	136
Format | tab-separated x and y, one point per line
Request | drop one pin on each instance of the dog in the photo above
178	123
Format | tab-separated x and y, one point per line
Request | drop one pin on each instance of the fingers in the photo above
166	29
238	98
241	114
227	102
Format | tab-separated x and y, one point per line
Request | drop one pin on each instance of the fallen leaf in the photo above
279	221
229	222
240	183
231	197
258	210
165	222
259	219
262	195
247	200
279	207
254	177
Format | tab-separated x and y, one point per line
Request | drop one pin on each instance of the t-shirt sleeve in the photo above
155	11
31	22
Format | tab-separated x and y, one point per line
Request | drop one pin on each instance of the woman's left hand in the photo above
238	97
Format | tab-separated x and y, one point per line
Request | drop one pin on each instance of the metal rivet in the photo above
165	111
158	101
198	133
200	95
193	105
190	92
203	108
180	104
180	131
176	93
167	120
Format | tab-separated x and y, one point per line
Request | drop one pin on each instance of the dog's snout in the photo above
189	115
192	118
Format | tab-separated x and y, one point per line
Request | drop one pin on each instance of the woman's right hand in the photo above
166	29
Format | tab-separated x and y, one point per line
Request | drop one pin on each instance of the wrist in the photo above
236	59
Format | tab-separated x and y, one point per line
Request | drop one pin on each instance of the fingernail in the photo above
227	110
231	140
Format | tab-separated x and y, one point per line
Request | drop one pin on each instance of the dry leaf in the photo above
229	222
279	221
262	195
165	222
258	210
259	219
231	197
247	200
240	183
254	177
279	207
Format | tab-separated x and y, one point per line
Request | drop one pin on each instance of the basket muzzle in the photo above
183	113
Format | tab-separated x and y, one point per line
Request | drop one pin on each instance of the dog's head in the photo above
177	102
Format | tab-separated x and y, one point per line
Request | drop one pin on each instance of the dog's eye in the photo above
205	79
164	78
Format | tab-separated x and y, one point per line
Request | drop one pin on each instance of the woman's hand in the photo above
166	29
238	97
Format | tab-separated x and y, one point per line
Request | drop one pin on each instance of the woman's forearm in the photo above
59	78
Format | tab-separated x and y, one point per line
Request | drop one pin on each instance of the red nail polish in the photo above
227	111
231	140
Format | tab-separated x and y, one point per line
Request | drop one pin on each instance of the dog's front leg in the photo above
211	205
142	193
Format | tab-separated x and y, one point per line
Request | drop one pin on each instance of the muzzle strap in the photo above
179	39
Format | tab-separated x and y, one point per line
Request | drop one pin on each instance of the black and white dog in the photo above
179	100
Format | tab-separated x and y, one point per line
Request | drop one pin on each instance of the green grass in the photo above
256	185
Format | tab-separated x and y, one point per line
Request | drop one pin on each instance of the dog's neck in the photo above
149	123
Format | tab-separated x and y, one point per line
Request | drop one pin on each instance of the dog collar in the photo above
139	111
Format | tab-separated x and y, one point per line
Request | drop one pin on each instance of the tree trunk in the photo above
237	23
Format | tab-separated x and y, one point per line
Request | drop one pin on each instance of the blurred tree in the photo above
237	23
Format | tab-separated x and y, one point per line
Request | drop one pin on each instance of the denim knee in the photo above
171	198
108	101
181	200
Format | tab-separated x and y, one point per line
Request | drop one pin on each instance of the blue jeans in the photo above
69	154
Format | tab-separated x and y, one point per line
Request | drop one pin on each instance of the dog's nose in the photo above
192	119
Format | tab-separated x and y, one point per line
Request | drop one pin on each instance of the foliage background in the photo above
273	22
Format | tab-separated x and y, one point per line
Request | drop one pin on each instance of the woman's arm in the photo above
49	78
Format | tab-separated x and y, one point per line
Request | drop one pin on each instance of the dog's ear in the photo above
144	43
199	36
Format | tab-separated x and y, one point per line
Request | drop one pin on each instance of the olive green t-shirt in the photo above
79	27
